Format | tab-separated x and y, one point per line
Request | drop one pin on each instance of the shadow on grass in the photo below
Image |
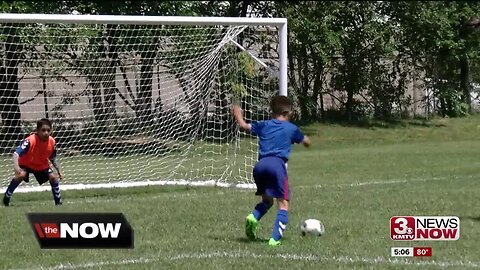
375	123
246	240
240	239
477	219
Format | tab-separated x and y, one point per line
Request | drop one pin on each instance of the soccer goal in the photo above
140	100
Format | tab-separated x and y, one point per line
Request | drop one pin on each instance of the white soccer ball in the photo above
312	227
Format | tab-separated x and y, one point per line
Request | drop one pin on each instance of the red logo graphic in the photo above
47	230
409	228
402	228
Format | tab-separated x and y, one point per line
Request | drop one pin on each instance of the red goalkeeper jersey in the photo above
35	153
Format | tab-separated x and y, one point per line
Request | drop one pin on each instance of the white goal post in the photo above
139	100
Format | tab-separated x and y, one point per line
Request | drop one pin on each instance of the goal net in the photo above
139	100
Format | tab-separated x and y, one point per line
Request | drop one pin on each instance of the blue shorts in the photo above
270	174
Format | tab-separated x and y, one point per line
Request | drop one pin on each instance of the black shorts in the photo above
41	176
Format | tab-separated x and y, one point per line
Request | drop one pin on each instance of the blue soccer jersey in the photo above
276	137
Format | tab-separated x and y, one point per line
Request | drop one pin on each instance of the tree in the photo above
314	38
438	40
9	74
117	40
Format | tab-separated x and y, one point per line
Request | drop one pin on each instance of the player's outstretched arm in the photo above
59	170
237	114
53	160
19	173
21	150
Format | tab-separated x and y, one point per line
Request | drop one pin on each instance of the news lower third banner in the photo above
81	230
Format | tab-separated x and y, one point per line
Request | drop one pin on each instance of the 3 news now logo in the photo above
81	230
410	228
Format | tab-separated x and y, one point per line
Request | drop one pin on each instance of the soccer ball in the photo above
312	227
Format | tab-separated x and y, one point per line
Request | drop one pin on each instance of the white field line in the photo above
209	183
284	256
212	183
390	182
244	188
195	194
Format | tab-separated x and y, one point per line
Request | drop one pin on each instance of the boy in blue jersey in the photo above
270	172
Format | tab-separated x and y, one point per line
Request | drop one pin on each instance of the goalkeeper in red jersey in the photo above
33	156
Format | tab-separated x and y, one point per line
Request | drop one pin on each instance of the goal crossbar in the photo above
281	23
139	20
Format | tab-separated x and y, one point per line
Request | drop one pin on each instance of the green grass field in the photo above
353	179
